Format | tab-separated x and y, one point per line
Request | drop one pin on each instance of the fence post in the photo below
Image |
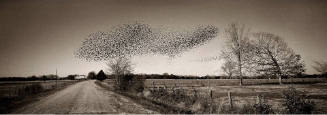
258	99
211	96
230	99
195	92
210	100
165	87
153	84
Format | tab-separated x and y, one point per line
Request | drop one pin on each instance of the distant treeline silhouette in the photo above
172	76
38	78
149	76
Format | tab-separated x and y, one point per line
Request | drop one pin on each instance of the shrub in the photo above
158	93
296	102
207	106
130	83
262	108
244	109
137	84
178	95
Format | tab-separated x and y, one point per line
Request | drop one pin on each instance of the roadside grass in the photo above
15	96
178	102
146	102
228	82
179	97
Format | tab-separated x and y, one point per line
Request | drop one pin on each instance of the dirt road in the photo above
83	97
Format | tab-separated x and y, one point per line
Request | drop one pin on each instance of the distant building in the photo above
80	77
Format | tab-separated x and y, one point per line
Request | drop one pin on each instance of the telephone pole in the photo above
56	79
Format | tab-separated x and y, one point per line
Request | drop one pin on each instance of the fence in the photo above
226	82
227	98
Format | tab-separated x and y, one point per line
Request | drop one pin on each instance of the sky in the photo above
39	36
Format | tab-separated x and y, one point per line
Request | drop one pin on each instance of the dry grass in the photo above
144	101
228	82
15	94
245	95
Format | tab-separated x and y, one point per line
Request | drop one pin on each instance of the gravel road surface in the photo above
83	97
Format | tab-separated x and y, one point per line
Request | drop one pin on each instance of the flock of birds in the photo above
134	39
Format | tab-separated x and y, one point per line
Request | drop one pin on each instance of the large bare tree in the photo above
273	57
238	48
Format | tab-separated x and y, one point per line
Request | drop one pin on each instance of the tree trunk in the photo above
280	79
240	69
279	71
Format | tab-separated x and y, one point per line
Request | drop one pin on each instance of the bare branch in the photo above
320	67
274	57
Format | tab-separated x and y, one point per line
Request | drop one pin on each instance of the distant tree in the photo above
101	76
320	67
44	77
165	74
51	77
33	78
71	77
91	75
273	57
238	48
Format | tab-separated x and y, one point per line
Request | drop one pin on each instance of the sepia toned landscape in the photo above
163	57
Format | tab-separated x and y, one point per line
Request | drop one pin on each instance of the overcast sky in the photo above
38	36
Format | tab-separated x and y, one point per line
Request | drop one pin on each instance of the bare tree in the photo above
320	67
229	66
120	66
273	57
238	47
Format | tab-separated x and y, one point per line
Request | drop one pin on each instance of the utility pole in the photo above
56	79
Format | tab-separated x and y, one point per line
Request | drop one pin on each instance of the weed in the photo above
296	102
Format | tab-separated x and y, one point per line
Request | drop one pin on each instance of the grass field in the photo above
314	88
14	93
11	88
228	82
